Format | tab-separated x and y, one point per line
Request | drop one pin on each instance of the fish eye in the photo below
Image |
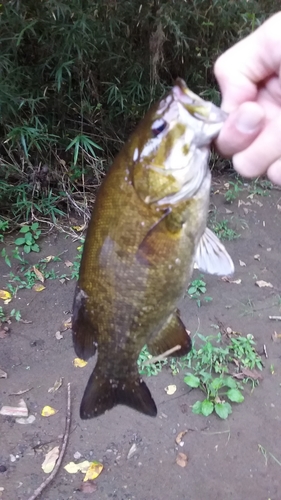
158	127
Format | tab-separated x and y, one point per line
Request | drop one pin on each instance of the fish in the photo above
147	231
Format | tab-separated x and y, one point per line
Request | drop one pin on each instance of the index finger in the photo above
242	67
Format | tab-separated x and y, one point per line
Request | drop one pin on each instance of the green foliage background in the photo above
77	75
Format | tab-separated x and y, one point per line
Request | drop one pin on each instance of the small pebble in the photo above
3	468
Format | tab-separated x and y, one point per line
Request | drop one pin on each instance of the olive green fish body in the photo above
139	253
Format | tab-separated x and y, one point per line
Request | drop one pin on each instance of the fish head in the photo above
171	147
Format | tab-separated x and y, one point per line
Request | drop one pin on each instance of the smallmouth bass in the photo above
148	229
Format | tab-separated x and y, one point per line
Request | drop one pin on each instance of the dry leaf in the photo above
67	325
48	411
88	487
247	373
275	336
227	211
3	333
93	471
48	259
58	335
79	363
78	228
68	263
39	274
3	374
73	468
180	436
38	288
181	459
50	460
56	386
257	257
242	264
241	202
28	420
15	411
170	389
257	202
132	451
6	296
227	280
262	284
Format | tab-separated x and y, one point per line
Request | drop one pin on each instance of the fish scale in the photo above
147	229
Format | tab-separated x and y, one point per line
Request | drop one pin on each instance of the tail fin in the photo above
103	393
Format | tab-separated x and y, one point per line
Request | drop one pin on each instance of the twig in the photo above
45	483
155	359
277	318
265	351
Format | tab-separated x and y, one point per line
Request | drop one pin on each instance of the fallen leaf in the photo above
170	389
257	257
56	386
227	280
257	202
3	334
242	264
38	288
15	411
262	284
78	228
79	363
50	460
276	336
241	202
132	451
93	471
181	459
39	274
180	436
88	487
58	335
73	468
67	325
28	420
247	373
48	411
3	374
48	259
5	295
68	263
227	211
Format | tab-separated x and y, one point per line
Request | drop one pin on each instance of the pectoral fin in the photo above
171	334
83	332
212	257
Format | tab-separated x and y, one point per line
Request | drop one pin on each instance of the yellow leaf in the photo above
5	295
79	228
93	471
38	288
48	411
170	389
50	460
79	363
73	468
39	274
48	259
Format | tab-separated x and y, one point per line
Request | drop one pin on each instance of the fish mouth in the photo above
211	116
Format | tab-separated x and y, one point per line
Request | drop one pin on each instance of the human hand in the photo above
249	75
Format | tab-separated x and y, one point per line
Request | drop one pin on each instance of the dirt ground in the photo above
224	456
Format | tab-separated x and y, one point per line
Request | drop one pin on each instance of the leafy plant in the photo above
28	240
197	289
210	359
233	191
223	231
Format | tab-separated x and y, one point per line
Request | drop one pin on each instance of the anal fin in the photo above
171	334
83	333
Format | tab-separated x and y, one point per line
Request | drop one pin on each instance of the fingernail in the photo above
247	123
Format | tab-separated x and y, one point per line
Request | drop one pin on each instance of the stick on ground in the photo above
47	481
155	359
